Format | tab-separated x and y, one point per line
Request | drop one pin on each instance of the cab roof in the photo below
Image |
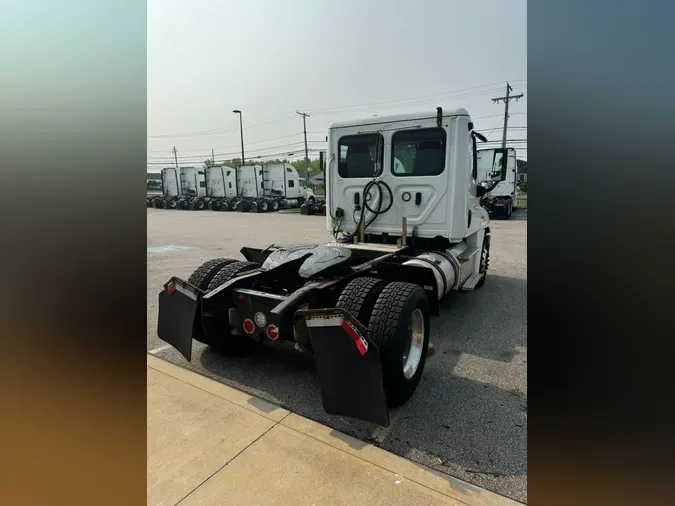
411	116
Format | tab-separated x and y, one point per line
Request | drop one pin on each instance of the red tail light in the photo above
249	326
272	332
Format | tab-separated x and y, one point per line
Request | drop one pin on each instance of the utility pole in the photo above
506	100
175	155
241	131
304	131
213	157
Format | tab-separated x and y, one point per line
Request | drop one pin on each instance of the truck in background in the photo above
256	188
496	172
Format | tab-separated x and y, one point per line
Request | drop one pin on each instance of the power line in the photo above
287	116
216	131
415	99
284	154
198	158
237	145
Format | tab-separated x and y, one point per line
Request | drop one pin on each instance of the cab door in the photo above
417	170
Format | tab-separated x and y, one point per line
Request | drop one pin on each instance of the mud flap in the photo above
348	365
178	304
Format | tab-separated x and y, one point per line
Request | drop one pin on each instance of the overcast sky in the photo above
333	59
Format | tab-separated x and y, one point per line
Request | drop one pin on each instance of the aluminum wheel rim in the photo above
412	351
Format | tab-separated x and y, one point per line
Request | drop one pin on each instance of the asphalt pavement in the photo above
468	417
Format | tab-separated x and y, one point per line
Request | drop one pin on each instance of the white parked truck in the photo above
403	205
180	186
497	173
257	188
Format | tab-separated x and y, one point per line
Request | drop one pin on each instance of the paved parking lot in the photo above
468	417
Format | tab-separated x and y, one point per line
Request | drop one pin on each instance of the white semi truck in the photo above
497	173
180	186
403	206
258	188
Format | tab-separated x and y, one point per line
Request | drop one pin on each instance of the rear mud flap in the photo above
348	365
178	304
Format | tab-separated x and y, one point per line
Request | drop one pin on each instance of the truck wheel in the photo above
162	204
263	206
359	297
484	260
199	205
399	326
201	278
205	272
217	330
229	271
171	204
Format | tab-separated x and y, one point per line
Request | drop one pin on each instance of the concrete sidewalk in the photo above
209	444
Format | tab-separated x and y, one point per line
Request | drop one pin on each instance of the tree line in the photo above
300	165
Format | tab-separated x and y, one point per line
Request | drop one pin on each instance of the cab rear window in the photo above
418	152
360	155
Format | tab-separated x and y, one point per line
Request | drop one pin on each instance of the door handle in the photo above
418	198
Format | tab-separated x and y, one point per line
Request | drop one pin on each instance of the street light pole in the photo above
241	131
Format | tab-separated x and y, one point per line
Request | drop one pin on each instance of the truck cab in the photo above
421	168
497	174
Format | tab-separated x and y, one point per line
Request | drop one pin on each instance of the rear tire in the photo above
203	275
201	278
172	204
275	205
359	297
229	271
217	332
399	326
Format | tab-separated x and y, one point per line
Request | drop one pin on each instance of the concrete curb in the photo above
440	483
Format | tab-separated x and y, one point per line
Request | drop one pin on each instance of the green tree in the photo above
314	165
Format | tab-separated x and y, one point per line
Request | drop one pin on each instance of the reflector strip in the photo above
360	342
171	288
335	321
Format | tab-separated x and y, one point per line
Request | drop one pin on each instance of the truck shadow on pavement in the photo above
468	417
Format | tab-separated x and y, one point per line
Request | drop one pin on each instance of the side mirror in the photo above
480	190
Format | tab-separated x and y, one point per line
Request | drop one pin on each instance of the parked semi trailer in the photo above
497	173
257	188
407	227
